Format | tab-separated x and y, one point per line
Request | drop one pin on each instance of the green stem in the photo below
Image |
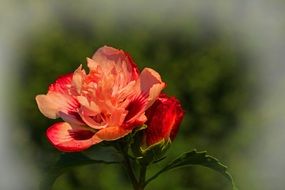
141	183
122	147
130	171
156	175
152	178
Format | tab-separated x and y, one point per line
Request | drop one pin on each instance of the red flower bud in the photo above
163	120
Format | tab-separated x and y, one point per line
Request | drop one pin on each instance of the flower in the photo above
163	120
104	105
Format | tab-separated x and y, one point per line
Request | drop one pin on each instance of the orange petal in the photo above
77	79
92	65
71	138
151	84
154	92
112	133
91	122
106	55
58	99
51	104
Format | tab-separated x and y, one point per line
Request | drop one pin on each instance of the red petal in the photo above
135	107
61	84
71	138
164	118
179	117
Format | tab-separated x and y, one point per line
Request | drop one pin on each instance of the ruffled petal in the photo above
51	104
62	84
77	80
151	85
58	102
135	109
108	55
71	138
91	122
112	133
146	91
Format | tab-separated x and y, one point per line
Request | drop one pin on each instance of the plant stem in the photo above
123	149
138	184
130	171
141	183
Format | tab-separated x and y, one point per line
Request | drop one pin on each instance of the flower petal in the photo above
58	99
91	122
168	108
62	84
51	104
112	133
151	85
71	117
135	109
107	55
71	138
77	79
147	90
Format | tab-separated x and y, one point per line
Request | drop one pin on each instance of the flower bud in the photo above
163	120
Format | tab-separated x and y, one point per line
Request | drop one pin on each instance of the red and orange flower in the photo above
105	104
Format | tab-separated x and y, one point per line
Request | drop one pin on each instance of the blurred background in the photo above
222	59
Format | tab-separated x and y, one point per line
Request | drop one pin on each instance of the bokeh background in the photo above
222	59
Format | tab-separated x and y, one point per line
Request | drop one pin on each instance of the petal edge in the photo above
71	138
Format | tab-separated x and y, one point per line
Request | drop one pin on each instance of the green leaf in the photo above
65	162
197	158
104	151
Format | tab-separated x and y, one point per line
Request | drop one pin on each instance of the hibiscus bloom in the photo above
104	105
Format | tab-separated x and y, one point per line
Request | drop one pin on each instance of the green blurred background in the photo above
202	56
